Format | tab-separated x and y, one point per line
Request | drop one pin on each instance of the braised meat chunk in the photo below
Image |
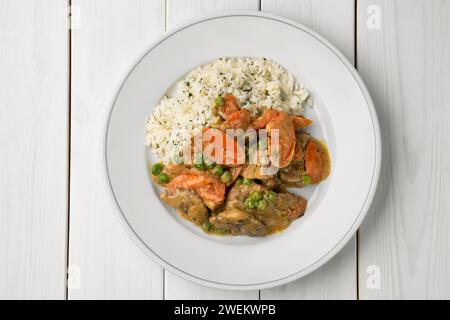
187	203
239	222
255	210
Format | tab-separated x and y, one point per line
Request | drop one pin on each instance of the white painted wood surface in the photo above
333	20
110	36
33	140
179	11
406	66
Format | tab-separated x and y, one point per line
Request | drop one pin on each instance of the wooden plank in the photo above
178	11
405	239
178	288
106	262
333	21
336	279
34	140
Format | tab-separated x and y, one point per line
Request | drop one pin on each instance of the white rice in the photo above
257	84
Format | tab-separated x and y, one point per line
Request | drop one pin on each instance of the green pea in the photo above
270	195
157	168
239	181
226	177
255	196
206	226
262	144
246	182
250	203
218	170
198	162
200	166
262	204
222	231
163	178
209	165
306	180
219	102
178	159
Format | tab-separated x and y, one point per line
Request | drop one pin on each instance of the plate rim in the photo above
338	246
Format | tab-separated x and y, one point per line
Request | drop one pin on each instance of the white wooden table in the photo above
55	83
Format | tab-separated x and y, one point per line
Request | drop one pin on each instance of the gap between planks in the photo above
69	138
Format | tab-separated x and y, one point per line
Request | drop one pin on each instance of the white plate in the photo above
344	116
